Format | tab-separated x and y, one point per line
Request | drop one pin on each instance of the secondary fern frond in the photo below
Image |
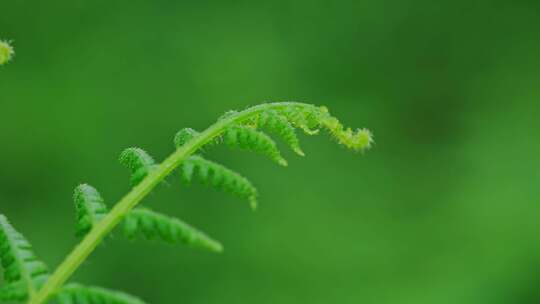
90	208
248	138
79	294
20	264
6	52
139	162
276	123
150	225
218	176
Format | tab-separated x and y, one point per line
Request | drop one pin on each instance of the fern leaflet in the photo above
276	123
183	136
218	176
248	138
21	267
79	294
304	117
90	208
151	225
139	162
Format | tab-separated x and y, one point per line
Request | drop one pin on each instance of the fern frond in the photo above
90	208
248	138
79	294
139	162
278	124
236	129
183	136
218	176
150	225
20	264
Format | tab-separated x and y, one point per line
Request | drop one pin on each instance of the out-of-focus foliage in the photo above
444	209
6	52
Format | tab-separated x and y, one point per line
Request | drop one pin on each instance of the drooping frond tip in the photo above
311	118
90	208
6	52
23	272
359	140
151	225
139	162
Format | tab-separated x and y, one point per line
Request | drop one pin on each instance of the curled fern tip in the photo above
359	140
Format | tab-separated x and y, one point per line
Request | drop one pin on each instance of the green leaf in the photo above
90	208
139	162
219	177
20	264
150	225
79	294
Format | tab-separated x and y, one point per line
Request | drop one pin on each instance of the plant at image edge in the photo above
27	279
6	52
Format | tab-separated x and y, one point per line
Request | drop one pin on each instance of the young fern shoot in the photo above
28	279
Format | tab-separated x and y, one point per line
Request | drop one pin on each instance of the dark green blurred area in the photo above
444	209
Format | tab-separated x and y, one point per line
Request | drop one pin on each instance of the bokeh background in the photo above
444	209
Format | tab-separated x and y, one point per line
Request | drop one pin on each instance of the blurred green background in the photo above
444	209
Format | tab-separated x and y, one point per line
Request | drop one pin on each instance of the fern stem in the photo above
81	252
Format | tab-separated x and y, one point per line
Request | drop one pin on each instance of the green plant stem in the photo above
81	252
